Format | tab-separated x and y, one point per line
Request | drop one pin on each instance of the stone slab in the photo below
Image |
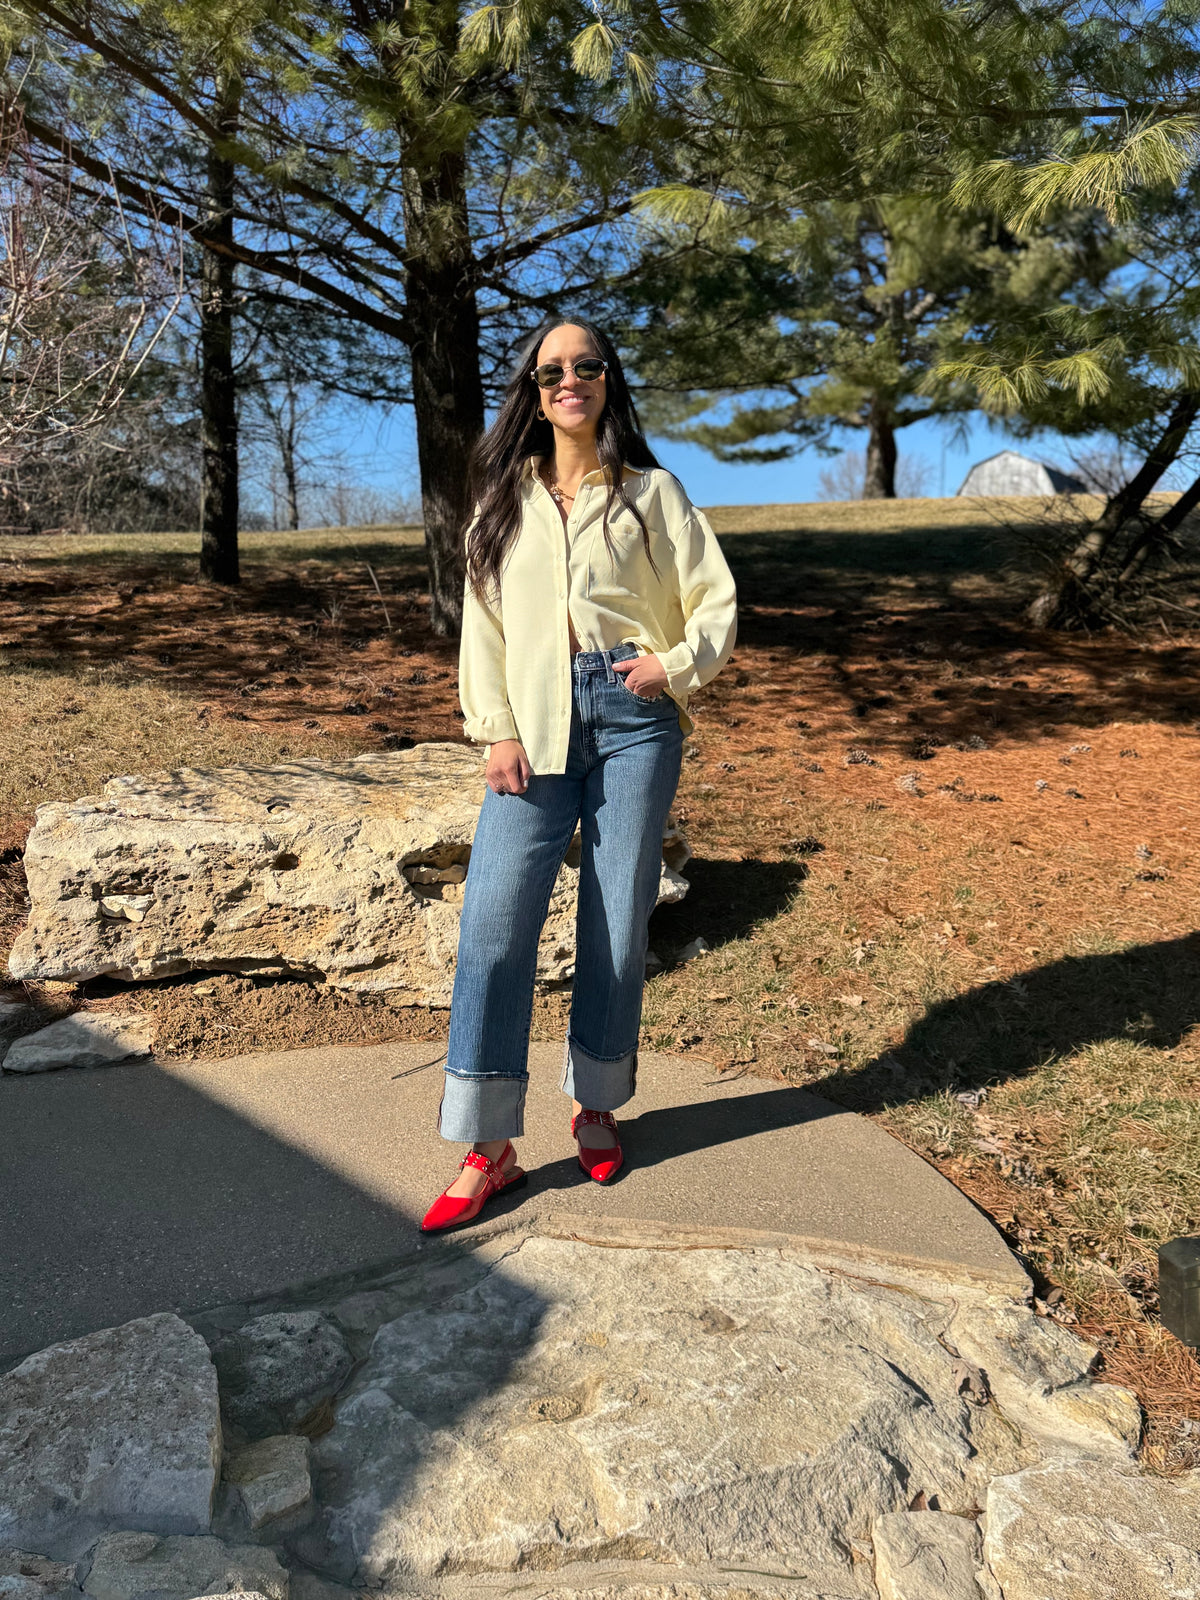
138	1566
920	1555
118	1427
1066	1531
86	1039
724	1407
272	1478
189	1184
349	871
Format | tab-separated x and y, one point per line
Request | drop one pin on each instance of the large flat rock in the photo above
544	1402
350	871
119	1427
696	1407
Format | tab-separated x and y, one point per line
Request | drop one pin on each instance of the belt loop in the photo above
609	675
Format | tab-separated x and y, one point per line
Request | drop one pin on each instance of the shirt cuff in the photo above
497	725
679	664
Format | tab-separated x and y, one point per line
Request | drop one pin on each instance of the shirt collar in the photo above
600	475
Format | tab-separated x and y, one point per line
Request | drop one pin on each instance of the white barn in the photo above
1012	473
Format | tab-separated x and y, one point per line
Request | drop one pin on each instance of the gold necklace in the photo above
557	493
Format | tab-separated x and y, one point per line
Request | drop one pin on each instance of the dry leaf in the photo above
850	1000
969	1380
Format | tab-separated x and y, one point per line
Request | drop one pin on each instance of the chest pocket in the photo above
618	566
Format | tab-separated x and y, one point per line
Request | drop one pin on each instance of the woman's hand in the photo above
508	770
645	675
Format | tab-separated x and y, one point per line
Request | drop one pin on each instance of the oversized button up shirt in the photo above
515	655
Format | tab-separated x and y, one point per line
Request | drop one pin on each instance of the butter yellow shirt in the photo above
515	654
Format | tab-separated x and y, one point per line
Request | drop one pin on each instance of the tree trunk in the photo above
287	453
880	480
218	391
446	384
1069	596
293	497
1155	536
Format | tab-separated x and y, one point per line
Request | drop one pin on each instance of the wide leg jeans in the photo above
622	772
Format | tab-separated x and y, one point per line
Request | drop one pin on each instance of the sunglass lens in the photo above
551	372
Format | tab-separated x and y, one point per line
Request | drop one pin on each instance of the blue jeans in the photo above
622	771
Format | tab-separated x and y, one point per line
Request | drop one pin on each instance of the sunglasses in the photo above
552	372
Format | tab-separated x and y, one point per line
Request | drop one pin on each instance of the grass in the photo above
66	732
945	866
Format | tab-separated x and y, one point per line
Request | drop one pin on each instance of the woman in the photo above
597	599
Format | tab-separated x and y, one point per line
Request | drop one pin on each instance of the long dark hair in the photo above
499	458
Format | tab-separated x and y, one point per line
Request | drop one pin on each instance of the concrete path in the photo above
182	1185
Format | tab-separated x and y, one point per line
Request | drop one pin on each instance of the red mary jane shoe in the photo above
453	1210
601	1165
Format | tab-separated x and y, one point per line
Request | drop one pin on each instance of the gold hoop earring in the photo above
541	414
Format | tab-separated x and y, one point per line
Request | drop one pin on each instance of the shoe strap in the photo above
476	1159
602	1119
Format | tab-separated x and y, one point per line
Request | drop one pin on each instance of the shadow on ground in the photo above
726	900
924	619
1149	994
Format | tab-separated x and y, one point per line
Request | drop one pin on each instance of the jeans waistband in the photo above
600	661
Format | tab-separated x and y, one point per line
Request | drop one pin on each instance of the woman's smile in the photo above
575	402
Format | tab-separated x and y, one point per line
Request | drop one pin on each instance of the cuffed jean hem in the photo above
475	1110
598	1085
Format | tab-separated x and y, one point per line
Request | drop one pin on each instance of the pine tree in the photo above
833	320
390	165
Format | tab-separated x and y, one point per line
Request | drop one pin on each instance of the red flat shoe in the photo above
600	1165
454	1210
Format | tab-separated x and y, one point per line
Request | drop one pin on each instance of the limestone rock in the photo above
346	870
309	1586
120	1426
1067	1530
643	1583
1039	1374
271	1477
15	1586
26	1576
14	1014
275	1370
576	1404
129	1566
84	1039
922	1554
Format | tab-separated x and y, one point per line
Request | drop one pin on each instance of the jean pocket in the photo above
643	699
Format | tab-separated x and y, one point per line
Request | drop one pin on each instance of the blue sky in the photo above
380	451
717	483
